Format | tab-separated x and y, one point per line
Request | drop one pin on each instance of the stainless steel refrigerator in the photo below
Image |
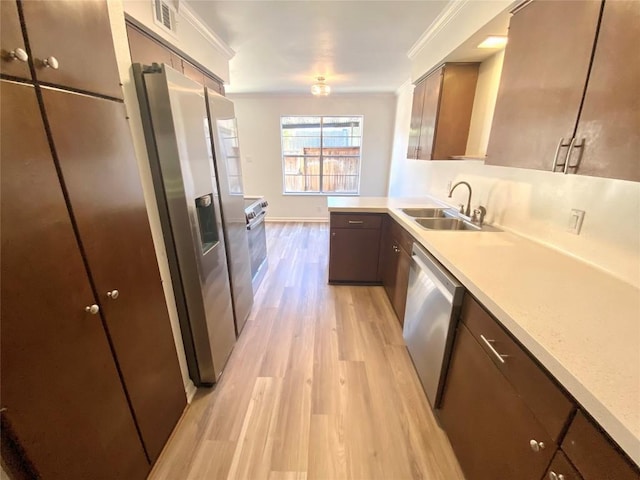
177	132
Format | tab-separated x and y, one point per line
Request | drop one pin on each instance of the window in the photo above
321	154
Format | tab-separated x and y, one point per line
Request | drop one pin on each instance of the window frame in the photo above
321	157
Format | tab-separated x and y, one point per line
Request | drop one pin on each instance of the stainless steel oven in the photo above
255	214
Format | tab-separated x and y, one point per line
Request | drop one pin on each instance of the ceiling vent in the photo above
165	15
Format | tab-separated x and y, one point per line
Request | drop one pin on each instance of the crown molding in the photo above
190	16
404	85
449	13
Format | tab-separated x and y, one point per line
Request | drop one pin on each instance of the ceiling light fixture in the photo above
320	88
494	41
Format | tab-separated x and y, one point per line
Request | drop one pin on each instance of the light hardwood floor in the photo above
319	385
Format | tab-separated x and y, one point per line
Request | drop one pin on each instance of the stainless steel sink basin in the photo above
424	212
446	224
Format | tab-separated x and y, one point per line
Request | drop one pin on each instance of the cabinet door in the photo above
66	407
488	424
399	301
561	469
11	40
545	69
145	50
353	255
78	35
192	72
609	120
92	140
416	120
387	263
594	455
432	85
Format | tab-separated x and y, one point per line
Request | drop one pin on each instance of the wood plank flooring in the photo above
319	385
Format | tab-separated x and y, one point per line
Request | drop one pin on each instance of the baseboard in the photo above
297	219
190	390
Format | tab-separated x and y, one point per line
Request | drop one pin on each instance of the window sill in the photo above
319	194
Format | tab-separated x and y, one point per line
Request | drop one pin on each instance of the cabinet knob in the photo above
536	446
18	54
113	294
51	62
333	234
92	309
396	249
556	476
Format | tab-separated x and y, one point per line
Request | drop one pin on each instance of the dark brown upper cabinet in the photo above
441	112
557	109
72	46
13	52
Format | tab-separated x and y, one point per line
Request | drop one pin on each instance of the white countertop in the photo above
582	324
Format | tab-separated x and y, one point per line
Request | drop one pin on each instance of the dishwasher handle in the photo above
446	283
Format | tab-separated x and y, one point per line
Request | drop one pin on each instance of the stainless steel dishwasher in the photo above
433	302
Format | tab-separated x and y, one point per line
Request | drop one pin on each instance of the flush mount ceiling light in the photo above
494	41
320	88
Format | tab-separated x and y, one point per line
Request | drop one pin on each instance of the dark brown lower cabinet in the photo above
66	409
491	429
561	469
354	248
593	454
395	263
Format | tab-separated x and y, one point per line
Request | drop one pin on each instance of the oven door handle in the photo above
257	220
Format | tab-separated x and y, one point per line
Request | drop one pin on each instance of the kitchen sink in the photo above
424	212
447	224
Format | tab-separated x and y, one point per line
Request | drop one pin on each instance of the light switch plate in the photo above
575	221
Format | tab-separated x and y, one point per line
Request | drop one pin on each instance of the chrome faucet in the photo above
467	212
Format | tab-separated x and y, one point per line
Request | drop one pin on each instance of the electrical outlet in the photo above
575	221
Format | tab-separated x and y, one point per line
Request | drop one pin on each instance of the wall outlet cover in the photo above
575	221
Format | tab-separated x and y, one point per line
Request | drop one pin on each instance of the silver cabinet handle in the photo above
499	356
571	147
536	446
396	249
566	158
92	309
556	476
51	62
113	294
356	222
555	157
18	54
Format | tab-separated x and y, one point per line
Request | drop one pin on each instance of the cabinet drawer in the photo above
551	406
594	455
356	220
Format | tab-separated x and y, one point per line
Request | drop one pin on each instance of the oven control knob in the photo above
264	204
252	215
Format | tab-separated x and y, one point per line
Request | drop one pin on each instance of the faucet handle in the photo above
478	214
461	208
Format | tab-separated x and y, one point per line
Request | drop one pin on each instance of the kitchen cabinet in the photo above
96	158
559	109
146	50
441	112
13	53
395	262
593	455
489	407
71	45
66	408
354	248
95	392
561	469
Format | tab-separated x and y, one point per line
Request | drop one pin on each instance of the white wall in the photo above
259	131
532	203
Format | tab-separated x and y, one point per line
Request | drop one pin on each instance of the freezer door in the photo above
225	156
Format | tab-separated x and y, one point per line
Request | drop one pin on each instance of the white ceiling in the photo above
281	46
